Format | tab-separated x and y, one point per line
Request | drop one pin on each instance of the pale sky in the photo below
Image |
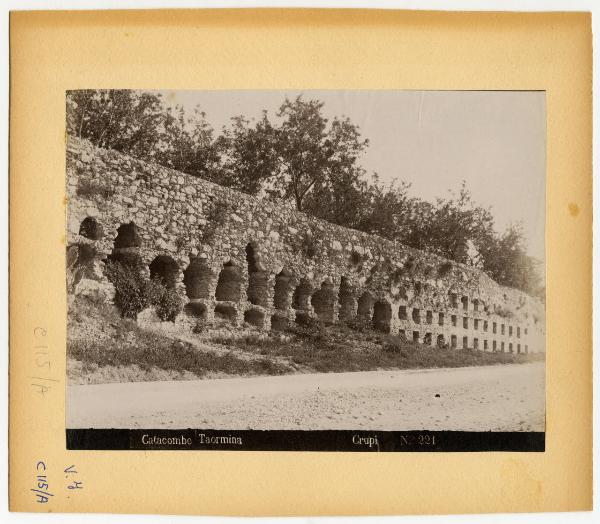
494	140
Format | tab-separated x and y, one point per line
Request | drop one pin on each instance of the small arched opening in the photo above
301	298
228	285
365	305
226	312
197	278
402	313
195	309
416	315
128	236
465	303
453	299
323	301
165	270
126	246
441	341
382	316
90	228
254	317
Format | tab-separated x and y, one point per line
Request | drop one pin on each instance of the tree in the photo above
454	223
250	155
506	261
386	210
311	155
188	144
123	120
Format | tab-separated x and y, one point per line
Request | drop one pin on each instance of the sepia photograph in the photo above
352	270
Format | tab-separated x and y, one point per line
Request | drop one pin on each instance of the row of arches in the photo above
466	343
198	278
321	300
128	237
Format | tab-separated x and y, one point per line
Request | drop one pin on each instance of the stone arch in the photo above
365	304
257	292
427	339
164	269
323	301
197	278
441	341
382	316
282	292
302	293
453	297
90	228
416	315
255	318
128	236
126	246
347	300
402	314
228	285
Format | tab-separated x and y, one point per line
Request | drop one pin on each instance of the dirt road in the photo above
495	398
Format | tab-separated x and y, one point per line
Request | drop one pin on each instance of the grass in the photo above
155	351
339	348
311	347
130	344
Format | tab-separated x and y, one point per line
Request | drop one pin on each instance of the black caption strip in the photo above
250	440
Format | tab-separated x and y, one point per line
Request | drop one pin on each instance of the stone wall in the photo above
261	262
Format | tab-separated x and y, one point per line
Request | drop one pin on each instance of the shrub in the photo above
168	303
199	327
307	321
133	292
396	344
360	324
